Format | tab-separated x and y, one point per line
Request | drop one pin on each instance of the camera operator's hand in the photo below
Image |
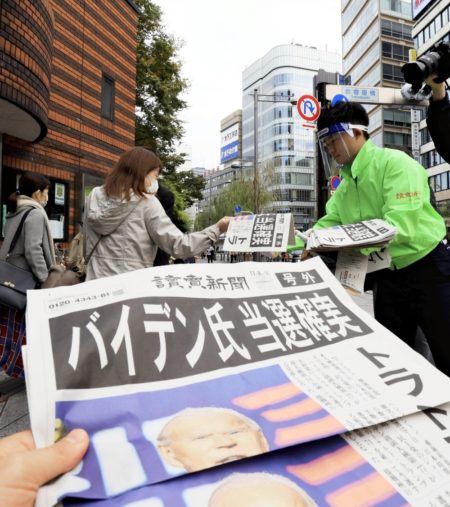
438	89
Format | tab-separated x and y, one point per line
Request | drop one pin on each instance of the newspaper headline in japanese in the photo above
268	232
159	365
368	233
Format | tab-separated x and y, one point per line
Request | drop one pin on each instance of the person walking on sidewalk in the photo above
210	253
34	252
125	223
390	185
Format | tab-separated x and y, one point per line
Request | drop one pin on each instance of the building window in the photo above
396	30
397	139
57	207
425	136
395	51
392	72
283	128
438	22
283	145
108	97
397	117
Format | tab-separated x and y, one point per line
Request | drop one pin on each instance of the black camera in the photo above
437	59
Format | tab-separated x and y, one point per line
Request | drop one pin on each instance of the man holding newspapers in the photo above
389	185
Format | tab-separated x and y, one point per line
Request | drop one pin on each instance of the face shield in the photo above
336	147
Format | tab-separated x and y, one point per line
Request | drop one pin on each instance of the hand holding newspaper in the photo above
183	369
368	233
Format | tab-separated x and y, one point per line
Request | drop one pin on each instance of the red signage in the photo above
308	107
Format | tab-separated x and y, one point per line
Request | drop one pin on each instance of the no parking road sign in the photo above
308	108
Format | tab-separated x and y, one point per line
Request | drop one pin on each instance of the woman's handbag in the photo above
59	276
15	281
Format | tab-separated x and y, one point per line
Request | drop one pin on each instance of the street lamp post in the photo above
255	147
209	207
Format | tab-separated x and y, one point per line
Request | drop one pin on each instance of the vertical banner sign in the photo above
415	134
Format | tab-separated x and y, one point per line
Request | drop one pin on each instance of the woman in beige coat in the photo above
126	221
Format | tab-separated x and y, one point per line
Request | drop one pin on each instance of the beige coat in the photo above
137	228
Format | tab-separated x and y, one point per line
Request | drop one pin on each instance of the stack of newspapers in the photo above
368	233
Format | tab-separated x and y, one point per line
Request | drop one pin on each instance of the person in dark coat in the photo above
167	199
438	118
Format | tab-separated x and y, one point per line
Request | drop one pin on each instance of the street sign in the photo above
371	95
237	208
334	182
308	108
361	93
338	98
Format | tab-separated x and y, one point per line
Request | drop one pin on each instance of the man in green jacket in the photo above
388	184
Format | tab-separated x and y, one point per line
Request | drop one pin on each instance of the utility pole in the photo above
258	97
255	141
209	207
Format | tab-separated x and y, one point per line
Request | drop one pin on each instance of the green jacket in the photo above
388	184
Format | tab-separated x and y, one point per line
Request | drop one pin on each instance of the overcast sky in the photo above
222	38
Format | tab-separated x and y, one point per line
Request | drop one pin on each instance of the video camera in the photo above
437	59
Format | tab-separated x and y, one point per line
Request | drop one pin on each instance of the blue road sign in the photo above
237	208
338	98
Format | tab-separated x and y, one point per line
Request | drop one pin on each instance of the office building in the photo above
376	39
285	148
231	164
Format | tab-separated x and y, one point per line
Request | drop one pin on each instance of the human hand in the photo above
223	224
438	89
23	468
306	254
304	236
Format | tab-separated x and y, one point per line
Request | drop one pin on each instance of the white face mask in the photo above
153	188
44	203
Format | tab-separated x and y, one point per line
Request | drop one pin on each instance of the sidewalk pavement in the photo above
13	401
13	406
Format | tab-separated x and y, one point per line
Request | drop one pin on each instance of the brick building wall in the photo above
89	116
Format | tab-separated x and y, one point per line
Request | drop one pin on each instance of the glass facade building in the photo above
376	39
285	149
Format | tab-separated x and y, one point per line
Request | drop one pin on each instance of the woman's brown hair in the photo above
128	175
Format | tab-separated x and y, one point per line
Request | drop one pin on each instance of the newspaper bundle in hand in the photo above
201	387
368	233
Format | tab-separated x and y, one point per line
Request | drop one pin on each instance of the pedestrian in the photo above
438	117
124	222
34	251
167	199
210	252
388	184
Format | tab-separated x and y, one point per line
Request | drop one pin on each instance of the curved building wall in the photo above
26	47
90	115
286	149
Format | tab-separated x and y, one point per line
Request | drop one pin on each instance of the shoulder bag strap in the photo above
18	231
88	257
